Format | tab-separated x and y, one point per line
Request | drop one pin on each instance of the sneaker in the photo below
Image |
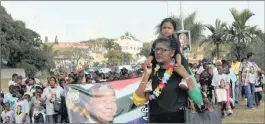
251	108
229	112
183	84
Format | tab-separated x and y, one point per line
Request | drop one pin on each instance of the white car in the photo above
104	70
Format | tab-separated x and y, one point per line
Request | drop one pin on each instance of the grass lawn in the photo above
242	114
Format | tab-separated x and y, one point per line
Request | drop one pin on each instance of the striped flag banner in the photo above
108	102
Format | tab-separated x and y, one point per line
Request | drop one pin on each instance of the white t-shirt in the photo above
10	83
227	78
51	93
200	70
37	106
8	116
215	71
220	81
21	109
252	77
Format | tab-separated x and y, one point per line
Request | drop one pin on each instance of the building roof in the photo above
74	44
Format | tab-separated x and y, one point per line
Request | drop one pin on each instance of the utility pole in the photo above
167	9
181	15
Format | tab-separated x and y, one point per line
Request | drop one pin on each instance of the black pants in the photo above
258	97
173	117
38	118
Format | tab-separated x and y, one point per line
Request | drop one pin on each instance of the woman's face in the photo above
52	82
163	53
167	29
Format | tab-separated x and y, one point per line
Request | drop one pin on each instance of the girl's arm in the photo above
178	52
178	56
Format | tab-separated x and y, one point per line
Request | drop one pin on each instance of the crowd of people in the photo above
224	82
174	80
30	101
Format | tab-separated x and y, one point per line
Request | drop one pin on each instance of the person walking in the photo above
249	76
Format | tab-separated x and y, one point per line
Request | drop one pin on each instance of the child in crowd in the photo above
8	115
21	108
228	85
258	90
12	99
167	29
27	97
8	94
38	115
219	84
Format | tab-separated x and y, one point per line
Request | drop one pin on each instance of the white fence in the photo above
7	73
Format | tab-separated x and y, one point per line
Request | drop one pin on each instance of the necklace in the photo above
154	94
158	76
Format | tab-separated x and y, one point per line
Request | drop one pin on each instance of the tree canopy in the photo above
20	46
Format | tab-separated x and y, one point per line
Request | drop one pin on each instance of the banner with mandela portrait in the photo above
104	102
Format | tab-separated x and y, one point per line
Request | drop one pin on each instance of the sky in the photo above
74	21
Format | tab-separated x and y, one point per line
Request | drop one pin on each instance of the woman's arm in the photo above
140	90
193	90
139	95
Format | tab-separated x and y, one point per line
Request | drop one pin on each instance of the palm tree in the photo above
50	53
240	34
217	36
126	57
111	45
113	50
196	28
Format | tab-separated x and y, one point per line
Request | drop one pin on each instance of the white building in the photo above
130	44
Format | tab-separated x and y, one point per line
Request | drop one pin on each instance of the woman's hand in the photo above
181	70
148	63
147	70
